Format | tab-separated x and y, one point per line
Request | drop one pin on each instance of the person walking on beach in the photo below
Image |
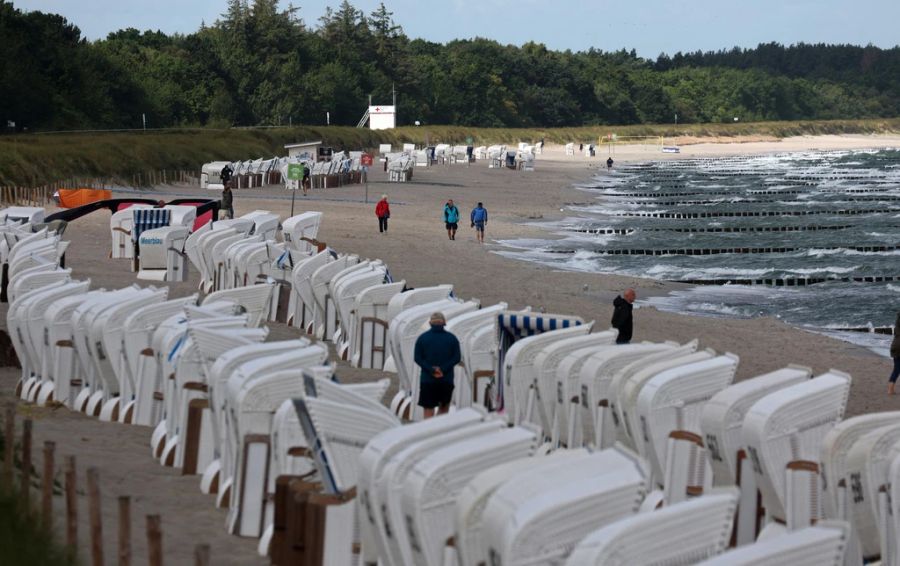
437	353
305	179
228	200
609	163
451	219
479	218
622	319
895	353
383	212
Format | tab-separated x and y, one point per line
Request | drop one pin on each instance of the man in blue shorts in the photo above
451	219
437	352
479	218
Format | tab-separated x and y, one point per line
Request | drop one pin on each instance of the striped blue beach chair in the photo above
148	219
515	325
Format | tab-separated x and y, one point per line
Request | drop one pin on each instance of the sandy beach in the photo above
417	250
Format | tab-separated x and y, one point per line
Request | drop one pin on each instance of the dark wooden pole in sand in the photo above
154	540
71	506
124	531
96	518
10	446
201	555
26	465
47	484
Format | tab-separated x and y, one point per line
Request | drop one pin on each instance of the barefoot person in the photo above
895	353
383	212
479	218
437	352
451	219
622	319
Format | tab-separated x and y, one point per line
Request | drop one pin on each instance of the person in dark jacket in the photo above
383	212
895	353
479	217
228	200
437	352
622	319
609	163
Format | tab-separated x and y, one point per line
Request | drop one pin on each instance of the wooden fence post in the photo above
124	531
96	517
9	446
201	555
154	540
47	483
26	465
71	506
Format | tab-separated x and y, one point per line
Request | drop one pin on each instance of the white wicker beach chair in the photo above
470	381
783	433
678	535
304	299
298	230
538	516
368	341
821	545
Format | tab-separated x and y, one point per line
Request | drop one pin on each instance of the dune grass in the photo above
34	159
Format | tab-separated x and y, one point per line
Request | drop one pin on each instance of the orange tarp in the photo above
71	198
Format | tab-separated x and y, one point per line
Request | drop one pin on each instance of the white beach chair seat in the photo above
673	400
677	535
546	363
866	474
538	516
835	447
585	381
368	342
632	385
319	281
789	426
518	370
470	504
435	481
298	230
821	545
377	455
253	299
466	382
301	279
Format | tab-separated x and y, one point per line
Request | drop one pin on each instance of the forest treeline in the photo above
260	65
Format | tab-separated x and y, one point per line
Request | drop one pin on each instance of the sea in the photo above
811	238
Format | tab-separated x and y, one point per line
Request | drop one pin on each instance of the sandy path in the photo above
417	250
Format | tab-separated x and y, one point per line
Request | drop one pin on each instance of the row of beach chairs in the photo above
562	448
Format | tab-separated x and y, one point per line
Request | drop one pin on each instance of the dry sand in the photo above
416	249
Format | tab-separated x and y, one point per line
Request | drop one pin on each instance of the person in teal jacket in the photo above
437	353
451	219
479	219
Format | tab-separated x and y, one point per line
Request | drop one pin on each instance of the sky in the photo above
650	27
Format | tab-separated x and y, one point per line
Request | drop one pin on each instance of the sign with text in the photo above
295	171
366	160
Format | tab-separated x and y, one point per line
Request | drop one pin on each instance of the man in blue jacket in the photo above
437	352
451	219
479	219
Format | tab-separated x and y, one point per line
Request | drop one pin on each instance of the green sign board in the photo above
295	171
469	140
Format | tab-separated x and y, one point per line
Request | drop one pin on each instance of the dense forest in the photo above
259	65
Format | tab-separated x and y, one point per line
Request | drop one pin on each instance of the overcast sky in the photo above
649	26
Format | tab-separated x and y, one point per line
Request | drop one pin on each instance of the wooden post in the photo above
10	445
71	506
201	555
96	517
154	540
124	531
47	484
26	465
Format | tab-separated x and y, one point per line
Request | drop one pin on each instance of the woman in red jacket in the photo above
383	212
